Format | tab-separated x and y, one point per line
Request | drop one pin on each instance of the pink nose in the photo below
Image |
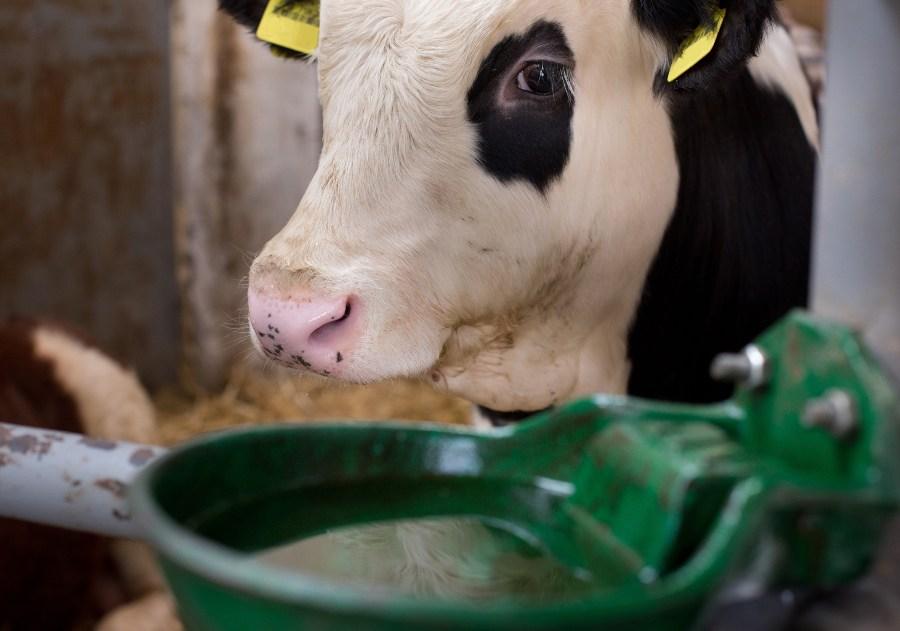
305	331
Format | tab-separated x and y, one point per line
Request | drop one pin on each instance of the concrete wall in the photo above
247	141
85	195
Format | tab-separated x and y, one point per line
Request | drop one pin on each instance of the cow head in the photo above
495	179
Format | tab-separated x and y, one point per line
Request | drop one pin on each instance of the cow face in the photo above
496	176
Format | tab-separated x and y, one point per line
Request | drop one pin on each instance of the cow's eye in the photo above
542	78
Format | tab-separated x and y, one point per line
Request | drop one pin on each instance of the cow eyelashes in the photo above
544	79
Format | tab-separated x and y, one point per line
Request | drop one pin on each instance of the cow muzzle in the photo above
304	330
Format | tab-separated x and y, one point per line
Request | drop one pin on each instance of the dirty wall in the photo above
147	150
85	192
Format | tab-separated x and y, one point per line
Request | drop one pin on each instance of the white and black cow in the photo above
513	202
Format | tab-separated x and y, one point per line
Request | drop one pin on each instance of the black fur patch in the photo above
674	21
246	12
736	255
530	139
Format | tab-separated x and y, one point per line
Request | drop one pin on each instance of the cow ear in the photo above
250	14
246	12
677	22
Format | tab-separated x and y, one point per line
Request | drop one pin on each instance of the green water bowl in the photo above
213	508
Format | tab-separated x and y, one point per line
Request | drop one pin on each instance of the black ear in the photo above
675	21
247	12
250	13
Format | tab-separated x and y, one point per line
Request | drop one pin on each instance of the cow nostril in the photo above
328	332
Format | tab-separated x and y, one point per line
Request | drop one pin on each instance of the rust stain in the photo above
96	443
26	444
120	515
142	456
228	71
73	495
116	487
6	460
76	491
23	444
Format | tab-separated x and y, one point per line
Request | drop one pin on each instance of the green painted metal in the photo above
660	505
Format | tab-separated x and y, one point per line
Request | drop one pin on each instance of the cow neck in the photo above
736	254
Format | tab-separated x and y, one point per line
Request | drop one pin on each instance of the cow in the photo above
514	202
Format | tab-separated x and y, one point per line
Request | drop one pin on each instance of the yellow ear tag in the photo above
697	47
292	24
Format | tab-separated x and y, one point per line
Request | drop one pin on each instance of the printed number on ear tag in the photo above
292	24
697	47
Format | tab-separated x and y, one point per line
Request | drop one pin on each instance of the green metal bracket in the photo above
660	505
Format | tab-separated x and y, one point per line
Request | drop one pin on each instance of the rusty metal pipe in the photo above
68	480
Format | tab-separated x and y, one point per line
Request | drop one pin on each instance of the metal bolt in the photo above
836	413
749	368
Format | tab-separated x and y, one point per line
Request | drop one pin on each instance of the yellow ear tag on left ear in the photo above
697	47
292	24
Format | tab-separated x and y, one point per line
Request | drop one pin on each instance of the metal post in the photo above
70	481
856	277
857	249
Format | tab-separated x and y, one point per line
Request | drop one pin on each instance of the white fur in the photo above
778	66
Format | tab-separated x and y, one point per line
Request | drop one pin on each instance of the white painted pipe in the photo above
68	480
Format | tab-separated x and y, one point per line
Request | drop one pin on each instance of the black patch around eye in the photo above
529	139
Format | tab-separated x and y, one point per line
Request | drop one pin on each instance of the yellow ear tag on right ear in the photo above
697	46
292	24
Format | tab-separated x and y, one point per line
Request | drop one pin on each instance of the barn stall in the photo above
165	125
